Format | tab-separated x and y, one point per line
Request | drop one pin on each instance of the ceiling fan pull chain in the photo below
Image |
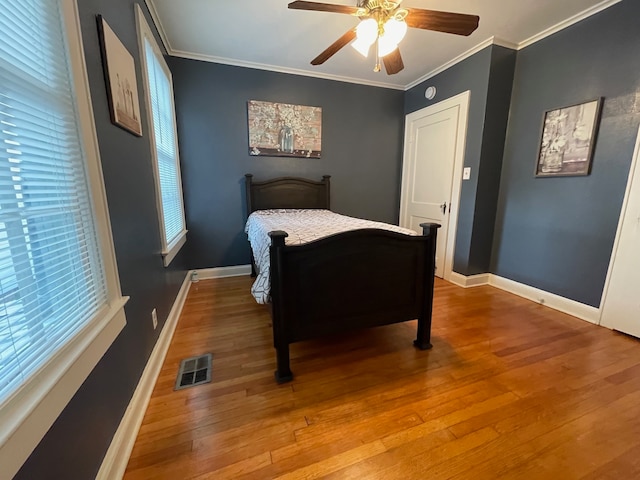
377	67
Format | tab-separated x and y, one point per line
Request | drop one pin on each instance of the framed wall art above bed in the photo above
284	130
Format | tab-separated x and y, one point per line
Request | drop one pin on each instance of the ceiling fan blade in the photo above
393	62
334	47
447	22
323	7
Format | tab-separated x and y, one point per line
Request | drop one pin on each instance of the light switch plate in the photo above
466	173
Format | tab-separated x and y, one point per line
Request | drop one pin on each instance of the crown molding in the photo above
159	26
516	46
306	73
567	23
505	43
463	56
279	69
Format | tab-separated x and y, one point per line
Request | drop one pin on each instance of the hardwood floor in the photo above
511	389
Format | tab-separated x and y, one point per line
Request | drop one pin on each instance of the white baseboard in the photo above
222	272
565	305
470	281
117	456
551	300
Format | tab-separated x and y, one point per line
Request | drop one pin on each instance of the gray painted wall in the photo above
557	234
76	443
503	61
487	75
362	130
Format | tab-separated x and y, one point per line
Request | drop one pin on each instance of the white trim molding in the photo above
223	272
516	46
27	415
551	300
281	69
174	248
462	101
117	456
562	304
471	280
309	73
567	23
463	56
166	102
159	26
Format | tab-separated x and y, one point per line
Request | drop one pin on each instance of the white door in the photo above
433	157
621	309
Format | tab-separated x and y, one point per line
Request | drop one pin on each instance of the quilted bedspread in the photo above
302	226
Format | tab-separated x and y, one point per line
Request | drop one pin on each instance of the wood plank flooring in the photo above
511	389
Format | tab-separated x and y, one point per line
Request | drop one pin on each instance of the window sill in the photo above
173	248
27	416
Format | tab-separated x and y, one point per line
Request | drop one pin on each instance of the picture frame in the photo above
120	78
568	139
284	130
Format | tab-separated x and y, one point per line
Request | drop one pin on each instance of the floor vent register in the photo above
194	371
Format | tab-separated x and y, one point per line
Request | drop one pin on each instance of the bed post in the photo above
283	373
327	184
423	340
248	179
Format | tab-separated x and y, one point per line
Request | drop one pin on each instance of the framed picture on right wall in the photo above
568	139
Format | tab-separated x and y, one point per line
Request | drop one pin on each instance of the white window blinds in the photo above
164	130
52	281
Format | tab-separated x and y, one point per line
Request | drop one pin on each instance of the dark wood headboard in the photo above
287	192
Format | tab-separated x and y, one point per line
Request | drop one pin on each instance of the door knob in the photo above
443	207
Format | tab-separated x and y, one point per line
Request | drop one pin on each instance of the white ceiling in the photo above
266	34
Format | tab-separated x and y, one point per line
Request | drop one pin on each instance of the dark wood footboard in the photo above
357	279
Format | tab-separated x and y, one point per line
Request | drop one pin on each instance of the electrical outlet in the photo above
466	173
154	318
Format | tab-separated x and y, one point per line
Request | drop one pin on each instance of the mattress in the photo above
302	226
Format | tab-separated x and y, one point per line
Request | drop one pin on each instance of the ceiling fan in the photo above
383	24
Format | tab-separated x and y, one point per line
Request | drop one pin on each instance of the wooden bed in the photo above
357	279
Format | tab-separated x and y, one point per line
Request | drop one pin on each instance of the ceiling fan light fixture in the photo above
393	32
361	47
382	24
367	31
385	47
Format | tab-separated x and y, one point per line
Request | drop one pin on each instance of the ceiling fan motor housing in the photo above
381	11
381	4
368	7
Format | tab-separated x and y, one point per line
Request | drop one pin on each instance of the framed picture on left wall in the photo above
120	77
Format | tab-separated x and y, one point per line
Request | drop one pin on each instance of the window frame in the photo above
169	251
28	414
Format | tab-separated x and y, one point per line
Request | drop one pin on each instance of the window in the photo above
61	299
164	141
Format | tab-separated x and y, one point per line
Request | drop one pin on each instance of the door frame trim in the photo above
616	243
462	101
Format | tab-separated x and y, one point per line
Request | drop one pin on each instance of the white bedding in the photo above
302	226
